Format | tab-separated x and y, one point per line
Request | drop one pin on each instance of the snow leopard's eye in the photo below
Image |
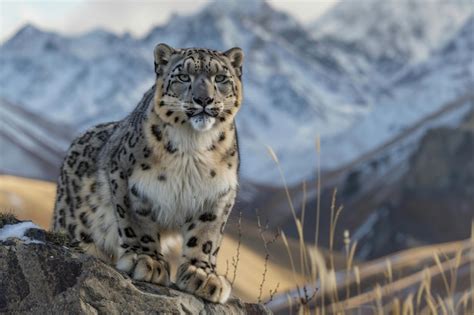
220	78
184	77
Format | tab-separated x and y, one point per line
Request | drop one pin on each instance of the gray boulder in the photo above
51	278
437	193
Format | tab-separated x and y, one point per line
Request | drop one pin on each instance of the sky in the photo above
119	16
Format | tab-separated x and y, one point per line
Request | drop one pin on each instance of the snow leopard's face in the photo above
200	87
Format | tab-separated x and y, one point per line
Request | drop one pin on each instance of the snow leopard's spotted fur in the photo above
170	165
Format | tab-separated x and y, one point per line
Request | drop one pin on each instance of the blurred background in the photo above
368	106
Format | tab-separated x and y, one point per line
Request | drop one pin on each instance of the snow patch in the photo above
18	231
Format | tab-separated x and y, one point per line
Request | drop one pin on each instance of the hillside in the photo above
32	145
389	194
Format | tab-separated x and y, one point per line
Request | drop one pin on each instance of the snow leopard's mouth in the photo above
202	121
202	112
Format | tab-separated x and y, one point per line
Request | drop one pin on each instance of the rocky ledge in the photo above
40	274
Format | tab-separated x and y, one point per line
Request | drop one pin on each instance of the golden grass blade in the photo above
425	283
347	241
441	270
396	307
442	305
408	305
272	154
472	266
352	251
388	263
318	201
302	248
378	299
303	206
287	191
285	242
454	272
428	296
318	269
463	301
332	231
357	278
431	305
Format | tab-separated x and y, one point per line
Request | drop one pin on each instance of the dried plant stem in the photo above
236	259
272	293
303	206
303	253
285	185
332	227
472	266
318	196
285	241
441	270
226	267
304	263
266	243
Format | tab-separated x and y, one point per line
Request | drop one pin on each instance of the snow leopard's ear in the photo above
162	54
236	57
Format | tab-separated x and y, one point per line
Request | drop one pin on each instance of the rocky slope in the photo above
438	190
432	201
40	275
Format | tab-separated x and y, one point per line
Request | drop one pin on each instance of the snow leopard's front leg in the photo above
139	251
202	239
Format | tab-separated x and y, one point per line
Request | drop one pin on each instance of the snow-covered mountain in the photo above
385	37
416	93
31	146
99	76
297	83
77	80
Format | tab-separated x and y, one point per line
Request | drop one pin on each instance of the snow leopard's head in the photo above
198	86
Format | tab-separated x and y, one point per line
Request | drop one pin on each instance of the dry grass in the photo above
29	199
432	280
7	218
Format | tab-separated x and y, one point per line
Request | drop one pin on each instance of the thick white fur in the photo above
188	183
202	122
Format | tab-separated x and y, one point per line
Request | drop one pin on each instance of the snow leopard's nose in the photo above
203	101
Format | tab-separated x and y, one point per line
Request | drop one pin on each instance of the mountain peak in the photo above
239	7
26	31
28	28
30	36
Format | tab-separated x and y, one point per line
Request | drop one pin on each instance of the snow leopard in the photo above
171	165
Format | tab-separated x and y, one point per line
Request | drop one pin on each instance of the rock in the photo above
48	278
437	192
